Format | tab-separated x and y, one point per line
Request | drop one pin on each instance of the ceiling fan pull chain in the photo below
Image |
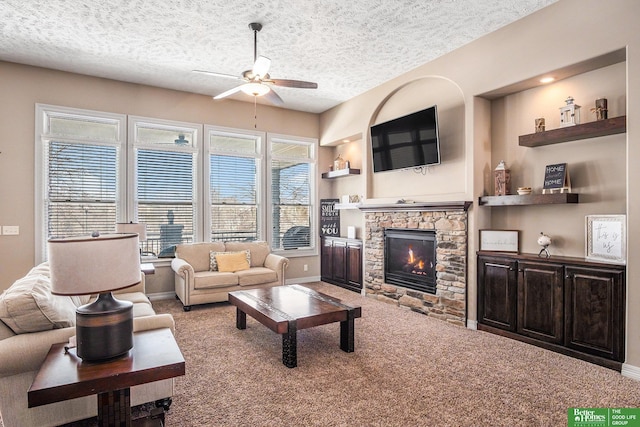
255	112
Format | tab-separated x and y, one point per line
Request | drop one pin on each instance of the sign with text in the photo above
603	417
329	218
556	177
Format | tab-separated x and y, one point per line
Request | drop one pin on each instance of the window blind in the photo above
291	189
82	189
234	198
165	198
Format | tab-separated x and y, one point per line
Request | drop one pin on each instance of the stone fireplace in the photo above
447	222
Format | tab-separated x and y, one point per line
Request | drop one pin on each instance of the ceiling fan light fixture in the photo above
255	89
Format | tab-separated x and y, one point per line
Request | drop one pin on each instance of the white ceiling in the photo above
346	46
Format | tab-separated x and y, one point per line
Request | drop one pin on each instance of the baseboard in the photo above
161	295
472	324
302	280
630	371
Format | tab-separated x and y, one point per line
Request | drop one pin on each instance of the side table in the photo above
155	356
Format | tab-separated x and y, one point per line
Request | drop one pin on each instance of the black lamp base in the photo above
104	328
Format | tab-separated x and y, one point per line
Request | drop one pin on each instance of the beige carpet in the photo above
407	370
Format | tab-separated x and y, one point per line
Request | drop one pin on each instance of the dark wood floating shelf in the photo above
571	133
341	172
529	199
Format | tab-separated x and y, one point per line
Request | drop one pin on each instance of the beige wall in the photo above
23	86
565	33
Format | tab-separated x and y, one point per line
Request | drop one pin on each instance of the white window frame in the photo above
312	143
43	112
260	138
133	145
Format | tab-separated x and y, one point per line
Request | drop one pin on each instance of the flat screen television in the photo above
406	142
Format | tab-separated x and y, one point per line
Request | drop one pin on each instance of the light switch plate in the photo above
10	230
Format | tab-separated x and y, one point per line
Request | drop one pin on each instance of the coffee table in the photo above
287	309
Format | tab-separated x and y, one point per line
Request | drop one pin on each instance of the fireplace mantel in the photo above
417	206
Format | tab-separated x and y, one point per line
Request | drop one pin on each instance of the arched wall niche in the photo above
439	180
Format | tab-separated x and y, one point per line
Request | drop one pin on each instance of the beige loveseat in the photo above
197	281
32	319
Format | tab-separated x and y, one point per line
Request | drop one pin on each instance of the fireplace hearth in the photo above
410	259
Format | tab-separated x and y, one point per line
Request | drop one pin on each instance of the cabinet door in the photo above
326	259
540	301
595	311
497	292
354	264
339	262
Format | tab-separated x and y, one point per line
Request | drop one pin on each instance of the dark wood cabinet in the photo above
341	262
595	315
497	292
540	301
569	305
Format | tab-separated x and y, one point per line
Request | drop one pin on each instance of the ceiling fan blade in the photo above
213	73
294	83
261	66
227	93
273	97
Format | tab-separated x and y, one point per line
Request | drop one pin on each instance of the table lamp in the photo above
98	265
131	227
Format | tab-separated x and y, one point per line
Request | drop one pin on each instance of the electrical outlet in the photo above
305	267
10	230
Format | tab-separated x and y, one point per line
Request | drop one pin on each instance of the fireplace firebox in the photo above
410	259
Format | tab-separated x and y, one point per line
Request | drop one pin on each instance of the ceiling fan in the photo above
257	81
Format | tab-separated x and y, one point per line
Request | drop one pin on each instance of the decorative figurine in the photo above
540	125
544	241
601	109
570	113
502	179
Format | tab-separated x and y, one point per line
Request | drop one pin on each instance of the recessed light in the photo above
346	140
547	79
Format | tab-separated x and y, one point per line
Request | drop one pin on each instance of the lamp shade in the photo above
92	265
130	227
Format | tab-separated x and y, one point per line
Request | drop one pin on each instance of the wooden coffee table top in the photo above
275	307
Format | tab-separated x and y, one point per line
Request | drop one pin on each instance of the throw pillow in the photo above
231	262
29	306
213	263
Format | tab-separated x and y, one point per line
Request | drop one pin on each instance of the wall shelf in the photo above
340	172
347	205
529	199
571	133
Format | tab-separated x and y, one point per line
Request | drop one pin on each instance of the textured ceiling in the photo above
346	46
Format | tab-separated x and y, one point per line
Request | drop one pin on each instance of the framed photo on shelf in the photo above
499	240
606	238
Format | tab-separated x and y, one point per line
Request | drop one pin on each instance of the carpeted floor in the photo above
407	370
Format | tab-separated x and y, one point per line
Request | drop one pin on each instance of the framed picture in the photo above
499	240
606	238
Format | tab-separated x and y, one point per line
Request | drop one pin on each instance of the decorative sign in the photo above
556	177
606	238
329	218
499	240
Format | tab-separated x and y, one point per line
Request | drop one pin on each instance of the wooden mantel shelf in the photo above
571	133
417	206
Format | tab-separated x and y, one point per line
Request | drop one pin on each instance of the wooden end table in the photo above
286	309
63	375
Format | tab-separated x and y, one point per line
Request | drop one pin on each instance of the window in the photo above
292	194
164	182
78	183
234	170
239	185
